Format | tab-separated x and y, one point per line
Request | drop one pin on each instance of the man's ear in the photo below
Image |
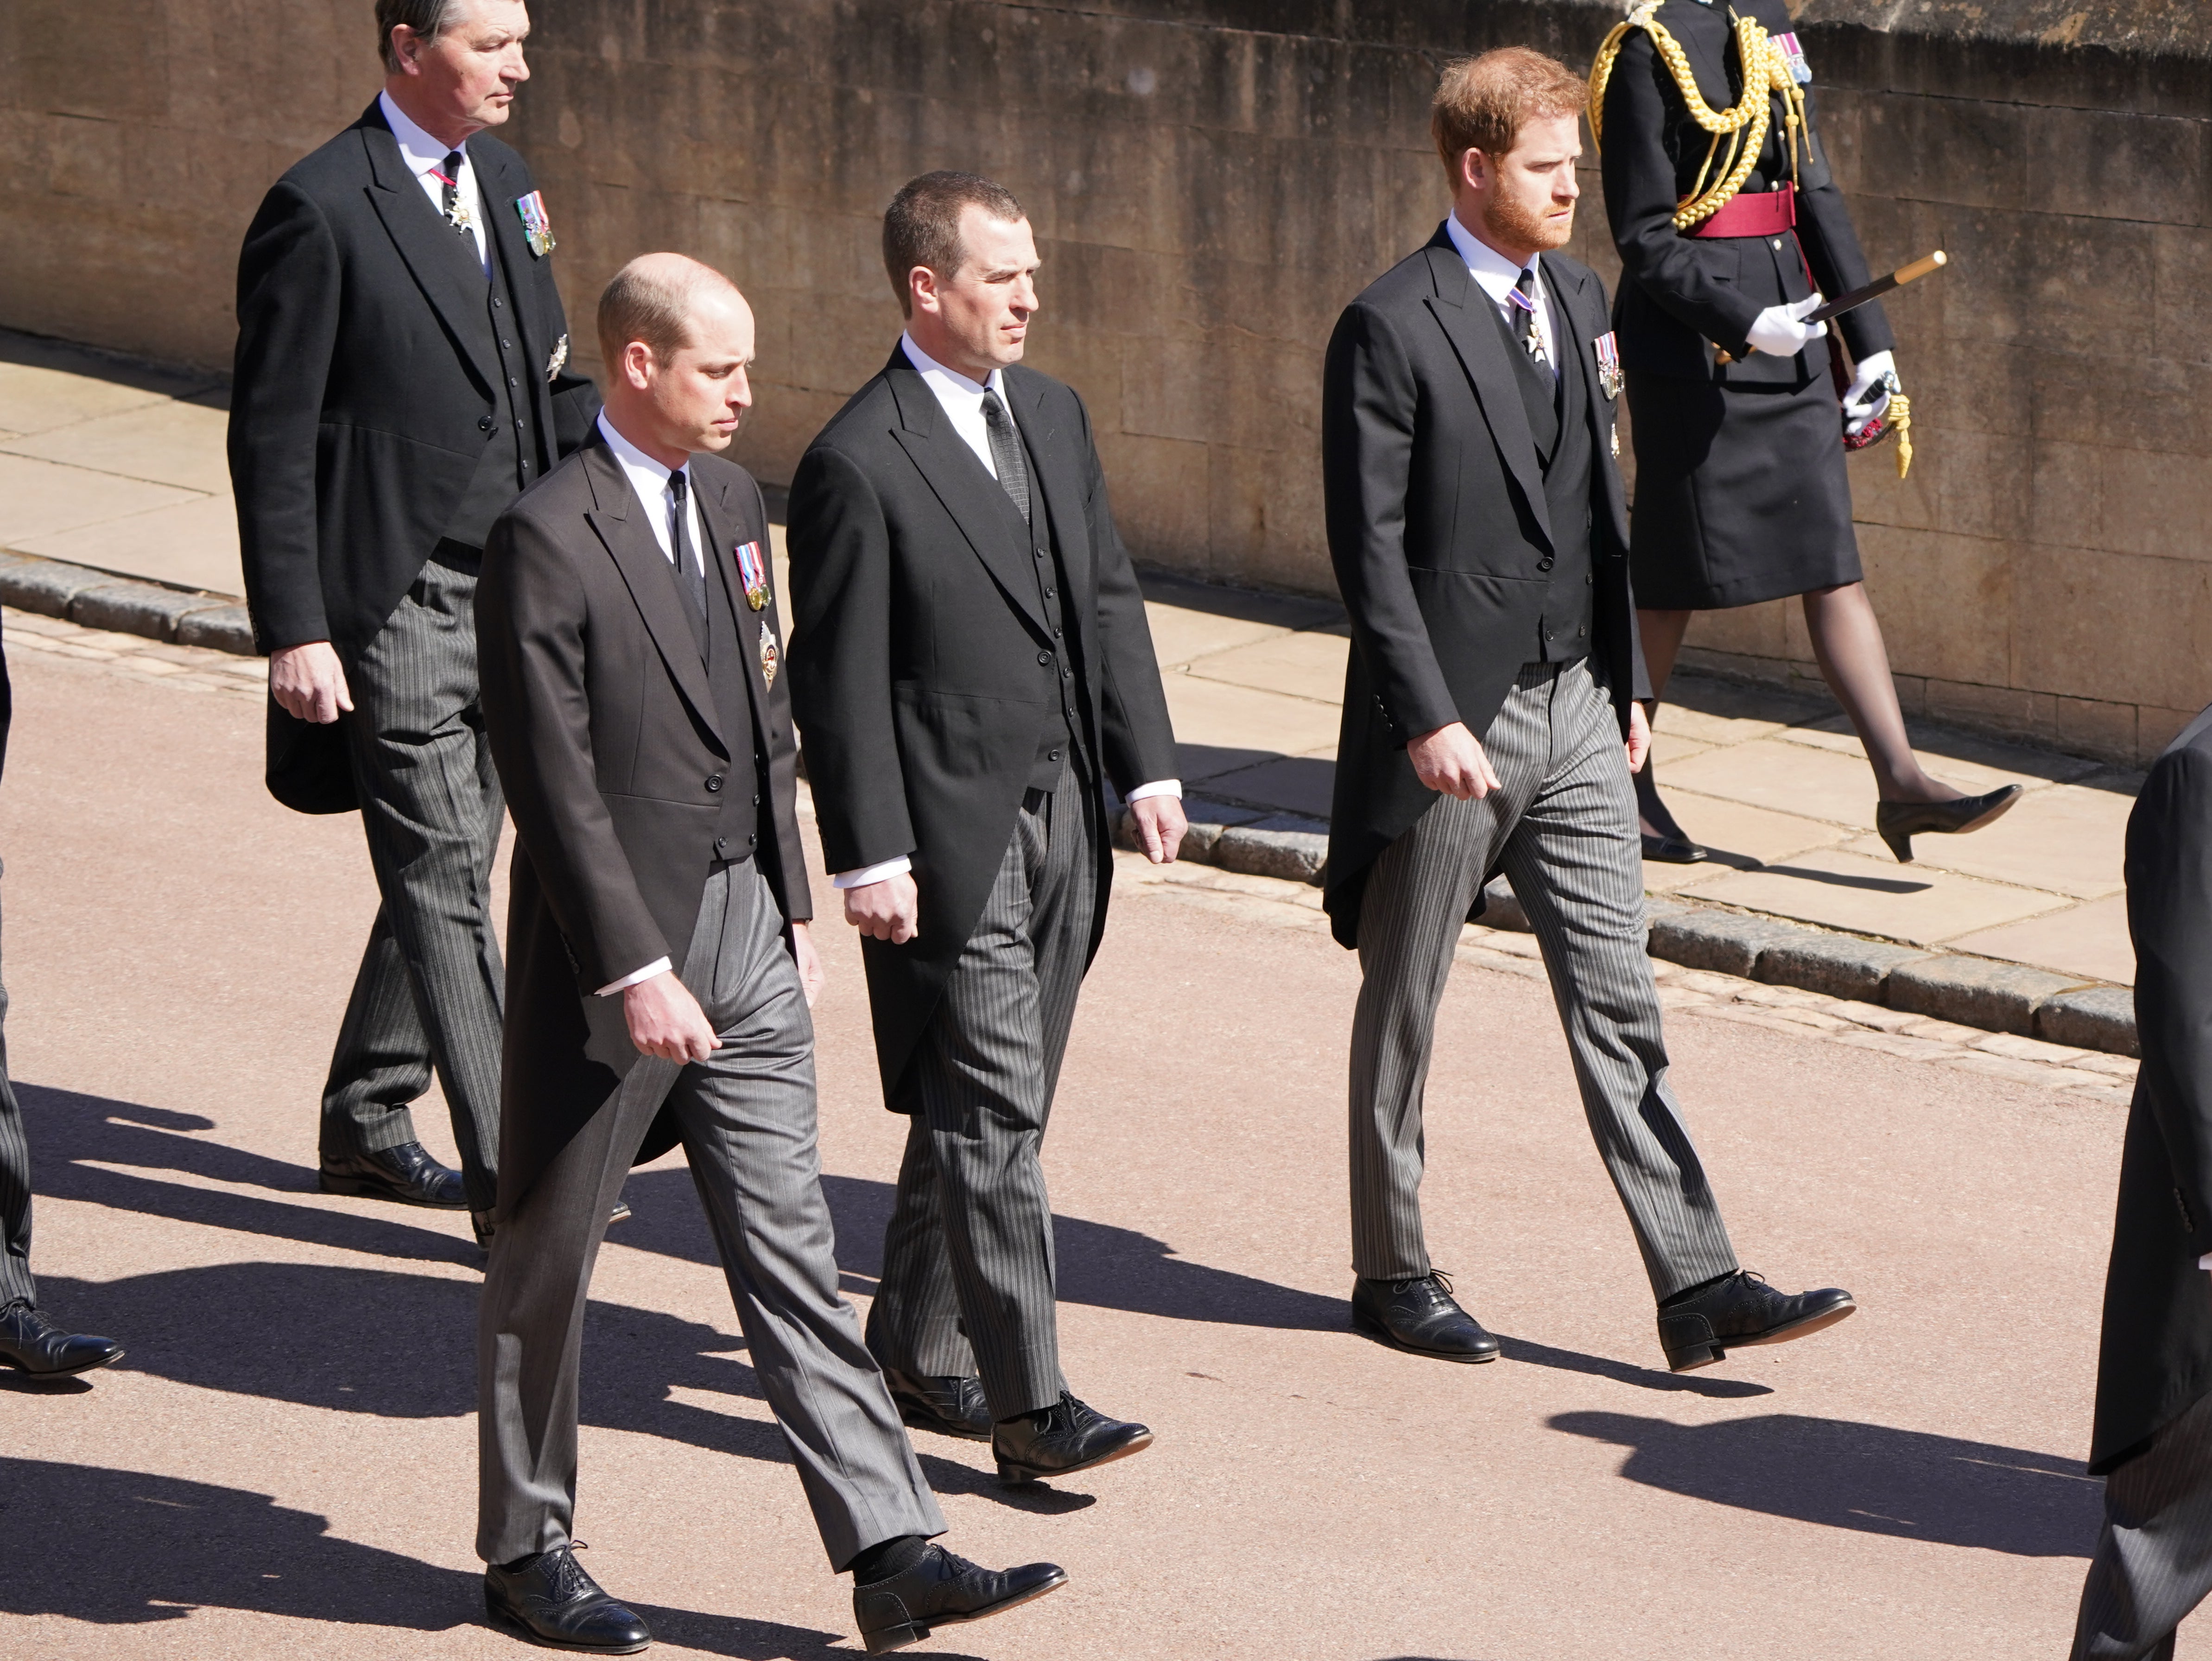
637	364
922	285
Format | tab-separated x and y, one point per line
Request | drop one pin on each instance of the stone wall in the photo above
1211	181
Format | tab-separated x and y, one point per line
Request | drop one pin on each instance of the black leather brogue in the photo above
31	1343
1420	1315
942	1590
951	1406
1061	1440
406	1174
550	1600
1739	1310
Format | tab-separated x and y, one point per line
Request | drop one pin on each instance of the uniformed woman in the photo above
1730	229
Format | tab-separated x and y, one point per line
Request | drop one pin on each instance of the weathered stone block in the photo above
133	608
1501	908
1295	855
1835	965
47	585
221	628
1724	942
1998	997
2091	1018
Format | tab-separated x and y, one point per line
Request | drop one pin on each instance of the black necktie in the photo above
1525	316
692	573
1006	452
450	172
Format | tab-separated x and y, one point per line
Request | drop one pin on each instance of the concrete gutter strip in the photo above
1982	992
1951	986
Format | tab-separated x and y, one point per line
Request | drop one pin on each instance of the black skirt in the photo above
1740	493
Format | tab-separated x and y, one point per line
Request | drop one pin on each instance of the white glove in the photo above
1869	391
1779	332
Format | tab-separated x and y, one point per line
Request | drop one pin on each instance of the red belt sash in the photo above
1768	213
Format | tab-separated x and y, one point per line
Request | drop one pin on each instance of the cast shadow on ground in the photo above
1906	1484
120	1548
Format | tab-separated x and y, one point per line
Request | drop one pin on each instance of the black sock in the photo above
887	1557
1698	1290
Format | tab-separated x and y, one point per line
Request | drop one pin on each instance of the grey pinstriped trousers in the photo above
16	1285
2153	1562
969	1282
429	992
747	1115
1562	825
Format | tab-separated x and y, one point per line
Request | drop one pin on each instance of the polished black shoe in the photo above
1899	822
1420	1315
951	1406
943	1591
1672	850
406	1173
1061	1440
1742	1309
552	1601
31	1343
620	1214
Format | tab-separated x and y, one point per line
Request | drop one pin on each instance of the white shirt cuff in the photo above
2205	1261
867	874
1156	788
658	966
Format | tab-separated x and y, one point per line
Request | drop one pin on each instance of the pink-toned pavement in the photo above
284	1464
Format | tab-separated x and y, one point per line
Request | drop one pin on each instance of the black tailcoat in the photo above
617	765
1438	528
2156	1358
923	670
362	402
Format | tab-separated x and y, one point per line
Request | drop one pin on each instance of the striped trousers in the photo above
1562	827
2153	1562
969	1285
430	990
16	1285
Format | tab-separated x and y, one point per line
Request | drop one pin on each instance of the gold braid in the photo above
1765	71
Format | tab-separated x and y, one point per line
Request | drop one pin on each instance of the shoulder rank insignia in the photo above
560	357
752	571
770	660
536	228
1793	59
1608	363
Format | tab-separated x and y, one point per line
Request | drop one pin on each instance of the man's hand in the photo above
1160	825
1451	759
665	1020
309	682
809	961
886	910
1639	735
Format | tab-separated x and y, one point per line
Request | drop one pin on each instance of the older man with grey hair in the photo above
399	380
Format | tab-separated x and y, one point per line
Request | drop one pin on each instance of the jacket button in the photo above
756	798
1044	657
751	841
497	303
1040	553
1055	633
714	780
1067	674
484	423
520	424
1544	564
1048	594
508	345
721	844
1056	755
1590	580
512	381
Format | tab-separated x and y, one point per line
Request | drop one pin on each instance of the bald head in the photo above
676	337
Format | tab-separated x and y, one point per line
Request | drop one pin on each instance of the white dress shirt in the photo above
962	400
1495	276
425	157
649	480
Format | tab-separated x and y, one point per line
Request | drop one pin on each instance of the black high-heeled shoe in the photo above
1899	822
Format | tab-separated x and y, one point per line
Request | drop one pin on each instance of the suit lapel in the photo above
720	517
444	266
977	503
1481	352
1057	479
619	521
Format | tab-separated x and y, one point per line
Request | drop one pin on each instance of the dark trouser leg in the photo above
15	1283
748	1116
2153	1562
1574	863
429	992
972	1210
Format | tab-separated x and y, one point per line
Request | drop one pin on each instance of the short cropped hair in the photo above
428	19
1482	103
921	227
652	299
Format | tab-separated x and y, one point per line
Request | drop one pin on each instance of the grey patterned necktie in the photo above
1532	341
1006	452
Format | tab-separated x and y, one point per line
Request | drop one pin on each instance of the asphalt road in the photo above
284	1464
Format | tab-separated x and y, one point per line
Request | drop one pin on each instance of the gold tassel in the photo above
1900	406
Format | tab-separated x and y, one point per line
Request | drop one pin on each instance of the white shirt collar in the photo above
1496	273
648	481
420	150
943	380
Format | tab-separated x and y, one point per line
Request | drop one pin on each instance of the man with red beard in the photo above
1476	523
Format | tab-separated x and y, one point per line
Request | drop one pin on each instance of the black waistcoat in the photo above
734	630
508	463
1557	408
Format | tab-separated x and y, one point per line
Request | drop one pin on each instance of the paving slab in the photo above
1781	774
1867	896
1296	784
1182	635
2089	941
189	545
2063	838
1218	717
38	498
1974	777
1307	665
38	398
169	443
1737	837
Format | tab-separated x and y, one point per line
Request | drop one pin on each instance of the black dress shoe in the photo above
943	1591
1061	1440
1671	850
406	1173
951	1406
1899	822
1742	1309
1420	1315
550	1600
31	1343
